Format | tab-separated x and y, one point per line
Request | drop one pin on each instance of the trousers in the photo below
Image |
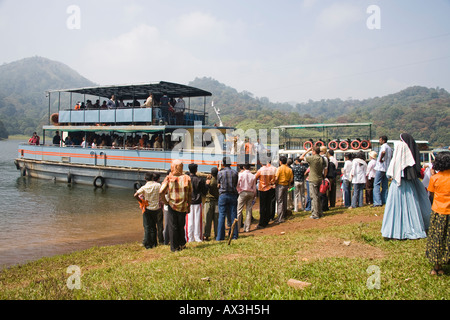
194	224
227	209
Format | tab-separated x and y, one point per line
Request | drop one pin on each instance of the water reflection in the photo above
42	218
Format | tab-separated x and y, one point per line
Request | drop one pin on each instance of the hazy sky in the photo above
286	50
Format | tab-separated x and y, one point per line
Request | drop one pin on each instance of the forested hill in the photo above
422	112
23	105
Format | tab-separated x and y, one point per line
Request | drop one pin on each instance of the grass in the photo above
254	267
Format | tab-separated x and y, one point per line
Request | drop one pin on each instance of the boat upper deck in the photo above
162	103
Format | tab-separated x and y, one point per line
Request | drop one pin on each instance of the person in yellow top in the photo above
438	240
283	179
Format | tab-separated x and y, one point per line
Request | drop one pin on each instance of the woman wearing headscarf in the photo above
408	209
178	188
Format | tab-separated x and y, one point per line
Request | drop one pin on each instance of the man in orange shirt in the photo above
283	178
248	151
266	188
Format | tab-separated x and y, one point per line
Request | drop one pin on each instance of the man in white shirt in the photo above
148	197
246	188
380	184
346	182
179	107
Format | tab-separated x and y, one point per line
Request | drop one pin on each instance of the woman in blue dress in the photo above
408	209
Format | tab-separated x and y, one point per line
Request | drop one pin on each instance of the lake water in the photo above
42	218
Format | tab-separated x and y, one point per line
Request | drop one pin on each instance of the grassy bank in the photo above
333	254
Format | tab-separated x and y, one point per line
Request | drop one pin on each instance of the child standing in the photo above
438	240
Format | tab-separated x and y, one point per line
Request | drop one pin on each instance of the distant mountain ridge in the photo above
423	112
22	91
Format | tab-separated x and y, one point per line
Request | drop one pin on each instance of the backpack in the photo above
331	173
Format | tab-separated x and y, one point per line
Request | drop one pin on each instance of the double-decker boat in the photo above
115	143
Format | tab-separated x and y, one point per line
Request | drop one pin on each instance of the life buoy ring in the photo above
69	178
365	144
137	185
319	143
307	145
54	118
333	145
343	145
99	182
357	146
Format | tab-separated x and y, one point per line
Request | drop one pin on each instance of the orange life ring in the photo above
333	145
307	143
357	146
54	118
319	142
341	145
365	144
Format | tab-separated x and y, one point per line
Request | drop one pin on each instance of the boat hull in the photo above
103	167
96	176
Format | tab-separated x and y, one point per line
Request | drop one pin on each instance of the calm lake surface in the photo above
41	218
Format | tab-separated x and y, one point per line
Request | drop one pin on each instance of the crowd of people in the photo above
191	206
167	109
94	140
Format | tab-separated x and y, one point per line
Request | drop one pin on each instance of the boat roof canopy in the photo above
140	91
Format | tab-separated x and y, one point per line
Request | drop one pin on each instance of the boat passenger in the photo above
34	140
111	104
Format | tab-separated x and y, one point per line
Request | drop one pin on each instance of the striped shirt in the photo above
179	191
227	179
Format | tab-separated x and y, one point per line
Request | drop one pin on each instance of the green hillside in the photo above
423	112
23	105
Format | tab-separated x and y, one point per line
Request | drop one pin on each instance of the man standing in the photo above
227	180
149	193
212	197
165	104
57	139
246	188
259	149
316	167
380	184
111	104
266	188
332	176
179	107
283	178
178	188
299	170
194	223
